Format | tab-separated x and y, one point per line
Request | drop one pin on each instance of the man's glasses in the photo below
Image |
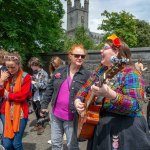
79	55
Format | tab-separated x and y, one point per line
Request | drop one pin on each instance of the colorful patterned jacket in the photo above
129	85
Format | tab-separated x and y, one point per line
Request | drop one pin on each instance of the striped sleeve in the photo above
83	92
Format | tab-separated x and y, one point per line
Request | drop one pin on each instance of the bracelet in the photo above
114	99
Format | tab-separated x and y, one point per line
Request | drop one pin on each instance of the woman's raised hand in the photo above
4	76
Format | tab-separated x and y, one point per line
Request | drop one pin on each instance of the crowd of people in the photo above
71	89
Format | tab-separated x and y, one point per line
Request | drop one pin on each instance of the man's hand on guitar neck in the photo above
79	106
105	91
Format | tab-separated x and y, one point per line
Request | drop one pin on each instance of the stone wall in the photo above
93	59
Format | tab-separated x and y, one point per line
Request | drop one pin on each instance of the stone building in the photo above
78	15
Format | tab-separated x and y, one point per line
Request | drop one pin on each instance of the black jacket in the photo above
54	85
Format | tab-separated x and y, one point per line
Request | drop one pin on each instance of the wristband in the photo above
114	99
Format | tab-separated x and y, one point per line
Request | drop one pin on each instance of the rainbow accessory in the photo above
116	41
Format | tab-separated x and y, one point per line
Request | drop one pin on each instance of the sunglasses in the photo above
106	47
78	56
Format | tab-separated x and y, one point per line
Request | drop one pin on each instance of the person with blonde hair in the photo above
61	91
15	90
2	53
55	63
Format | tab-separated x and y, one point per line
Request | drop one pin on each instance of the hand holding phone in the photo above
4	76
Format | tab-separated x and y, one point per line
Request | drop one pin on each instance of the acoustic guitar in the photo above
90	117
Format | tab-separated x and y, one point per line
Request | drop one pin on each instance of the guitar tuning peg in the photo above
124	60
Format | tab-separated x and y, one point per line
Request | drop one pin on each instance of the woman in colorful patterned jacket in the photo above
122	125
15	89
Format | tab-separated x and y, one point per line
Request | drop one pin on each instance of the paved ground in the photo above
32	141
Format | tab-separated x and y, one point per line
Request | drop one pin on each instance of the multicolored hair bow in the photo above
116	41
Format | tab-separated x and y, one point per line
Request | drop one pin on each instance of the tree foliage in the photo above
67	42
143	33
82	35
30	26
123	24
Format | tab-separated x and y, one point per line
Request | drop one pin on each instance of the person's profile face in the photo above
106	53
54	64
34	67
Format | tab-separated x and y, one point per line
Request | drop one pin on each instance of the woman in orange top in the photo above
14	89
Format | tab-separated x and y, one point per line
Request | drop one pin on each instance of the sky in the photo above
138	8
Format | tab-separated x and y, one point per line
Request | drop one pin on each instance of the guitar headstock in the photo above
117	65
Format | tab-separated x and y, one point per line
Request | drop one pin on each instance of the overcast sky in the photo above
139	8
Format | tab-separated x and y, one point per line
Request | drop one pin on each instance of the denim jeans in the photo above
58	127
16	142
1	126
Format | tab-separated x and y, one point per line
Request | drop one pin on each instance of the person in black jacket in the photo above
61	91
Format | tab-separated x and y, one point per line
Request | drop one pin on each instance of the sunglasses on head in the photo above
10	58
79	55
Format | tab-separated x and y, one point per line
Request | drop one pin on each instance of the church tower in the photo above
77	15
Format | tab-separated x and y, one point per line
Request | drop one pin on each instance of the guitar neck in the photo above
90	100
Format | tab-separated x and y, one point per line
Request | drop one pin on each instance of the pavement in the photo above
32	141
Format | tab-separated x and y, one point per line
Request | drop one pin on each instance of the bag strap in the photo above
23	76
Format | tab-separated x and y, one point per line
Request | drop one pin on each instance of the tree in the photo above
123	24
82	36
67	42
31	26
143	32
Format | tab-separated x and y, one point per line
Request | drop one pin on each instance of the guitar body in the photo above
87	123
